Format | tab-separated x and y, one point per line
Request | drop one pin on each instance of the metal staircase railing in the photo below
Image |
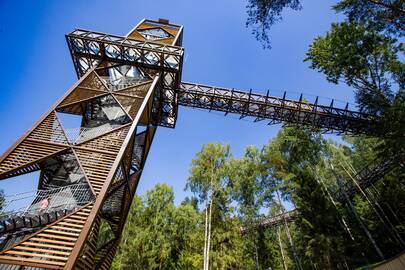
65	197
17	223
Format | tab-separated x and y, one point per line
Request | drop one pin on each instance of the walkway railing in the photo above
67	197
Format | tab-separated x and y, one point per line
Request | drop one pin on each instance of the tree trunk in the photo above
287	230
209	235
281	249
354	212
256	251
205	235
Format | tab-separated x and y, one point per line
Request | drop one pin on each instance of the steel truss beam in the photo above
88	49
98	46
325	118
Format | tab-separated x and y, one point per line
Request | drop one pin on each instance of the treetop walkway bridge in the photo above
128	86
272	221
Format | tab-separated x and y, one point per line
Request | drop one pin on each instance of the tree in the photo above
152	229
246	186
388	16
186	252
293	156
379	205
362	58
277	246
209	180
385	16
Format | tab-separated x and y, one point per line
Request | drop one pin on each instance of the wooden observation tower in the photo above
128	86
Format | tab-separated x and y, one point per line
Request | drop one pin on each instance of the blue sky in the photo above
219	50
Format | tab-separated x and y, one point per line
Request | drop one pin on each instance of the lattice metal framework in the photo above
127	87
277	110
89	48
368	176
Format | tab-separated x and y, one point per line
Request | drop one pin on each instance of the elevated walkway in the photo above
369	175
273	221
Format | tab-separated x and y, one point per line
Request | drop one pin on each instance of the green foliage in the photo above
393	125
362	58
246	186
292	157
209	170
305	167
262	14
385	16
388	16
209	180
245	182
105	235
159	235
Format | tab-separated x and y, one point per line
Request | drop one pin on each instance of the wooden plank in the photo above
57	237
71	225
33	140
18	162
32	262
45	245
42	236
30	254
98	182
46	240
79	218
82	214
74	220
67	228
92	150
40	250
37	123
87	263
61	232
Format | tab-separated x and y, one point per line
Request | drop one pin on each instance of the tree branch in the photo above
393	8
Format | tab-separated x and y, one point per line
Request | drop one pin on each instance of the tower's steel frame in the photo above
112	159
